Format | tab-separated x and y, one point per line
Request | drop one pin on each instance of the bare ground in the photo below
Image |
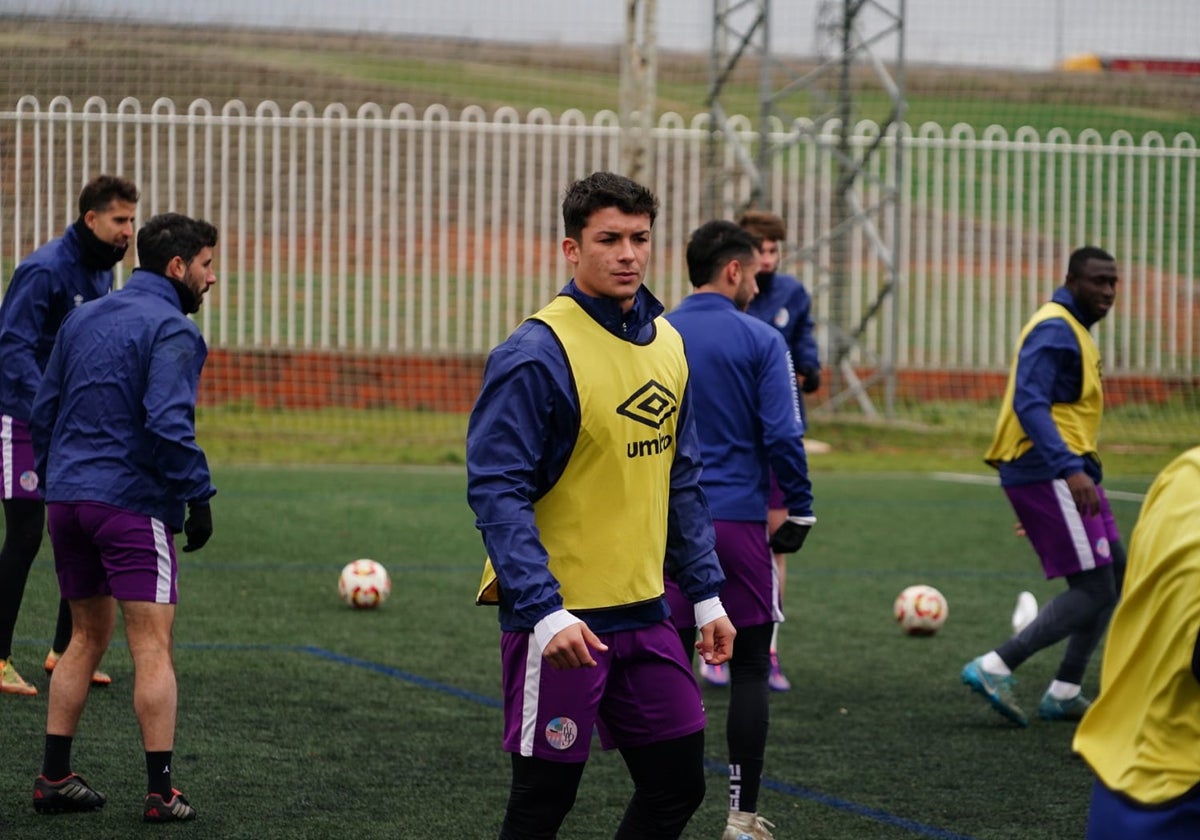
50	57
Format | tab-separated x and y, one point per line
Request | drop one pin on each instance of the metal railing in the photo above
435	232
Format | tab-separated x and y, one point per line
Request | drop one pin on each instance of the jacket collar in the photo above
630	325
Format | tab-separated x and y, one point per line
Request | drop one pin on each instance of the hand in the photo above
572	648
789	536
1083	491
812	379
715	644
198	526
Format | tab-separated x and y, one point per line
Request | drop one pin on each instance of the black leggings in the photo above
668	779
24	523
748	717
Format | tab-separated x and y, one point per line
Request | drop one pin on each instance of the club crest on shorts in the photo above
561	733
29	481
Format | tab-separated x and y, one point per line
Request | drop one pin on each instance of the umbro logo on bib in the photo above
650	405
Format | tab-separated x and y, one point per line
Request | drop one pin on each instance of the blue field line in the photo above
396	673
875	814
794	791
786	789
365	664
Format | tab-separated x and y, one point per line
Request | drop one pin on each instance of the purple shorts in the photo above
1066	541
640	692
104	550
20	479
750	593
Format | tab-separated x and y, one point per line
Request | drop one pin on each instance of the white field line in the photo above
972	478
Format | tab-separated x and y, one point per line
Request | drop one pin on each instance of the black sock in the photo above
158	773
56	762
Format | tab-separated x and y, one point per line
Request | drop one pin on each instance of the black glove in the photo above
198	526
812	379
788	537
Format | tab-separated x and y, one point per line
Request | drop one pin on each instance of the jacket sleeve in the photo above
26	309
691	559
783	430
44	413
1049	354
518	439
170	402
804	341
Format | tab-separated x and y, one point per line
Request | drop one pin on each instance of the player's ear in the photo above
570	249
176	268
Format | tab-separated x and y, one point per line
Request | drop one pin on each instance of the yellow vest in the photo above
1078	422
604	522
1142	734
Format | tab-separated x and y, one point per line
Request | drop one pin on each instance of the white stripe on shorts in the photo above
1074	523
162	550
529	704
6	454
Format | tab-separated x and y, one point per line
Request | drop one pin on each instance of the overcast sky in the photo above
1032	34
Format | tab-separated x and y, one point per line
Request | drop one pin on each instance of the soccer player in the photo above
1045	448
1140	736
583	471
48	284
114	435
745	401
783	302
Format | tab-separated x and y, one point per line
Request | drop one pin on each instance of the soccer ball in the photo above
364	584
920	610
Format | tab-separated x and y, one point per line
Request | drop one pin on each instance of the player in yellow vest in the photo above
583	470
1045	448
1142	735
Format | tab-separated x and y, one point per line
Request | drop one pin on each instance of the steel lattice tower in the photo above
816	103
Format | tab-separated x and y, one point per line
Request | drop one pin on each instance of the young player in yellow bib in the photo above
583	469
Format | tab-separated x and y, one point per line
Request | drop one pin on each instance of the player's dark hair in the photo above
103	190
1080	256
763	224
601	190
170	235
714	245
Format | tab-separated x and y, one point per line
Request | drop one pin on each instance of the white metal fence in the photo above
437	232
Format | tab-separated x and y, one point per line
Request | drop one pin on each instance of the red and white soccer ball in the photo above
920	610
364	584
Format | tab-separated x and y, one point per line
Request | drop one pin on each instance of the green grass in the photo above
244	434
300	718
1138	441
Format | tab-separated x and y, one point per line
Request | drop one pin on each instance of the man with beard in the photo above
48	284
114	436
784	303
747	417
